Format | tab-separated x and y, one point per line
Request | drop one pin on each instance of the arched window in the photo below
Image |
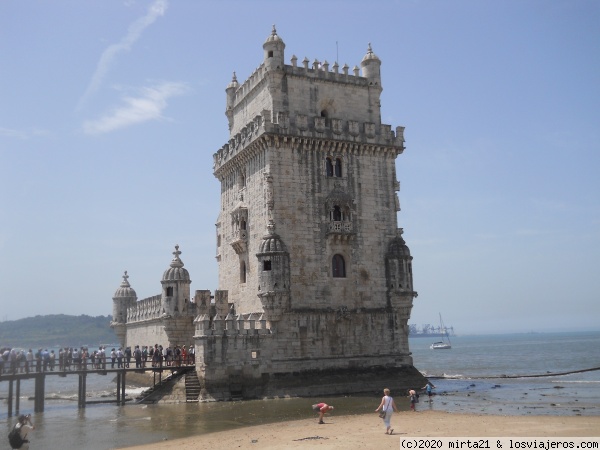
337	214
243	225
170	291
338	267
338	167
329	167
242	271
324	113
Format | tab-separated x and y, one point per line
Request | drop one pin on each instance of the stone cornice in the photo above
316	133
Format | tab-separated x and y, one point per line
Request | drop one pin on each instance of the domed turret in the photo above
274	51
176	286
274	274
371	66
124	297
176	272
230	91
125	290
399	264
271	242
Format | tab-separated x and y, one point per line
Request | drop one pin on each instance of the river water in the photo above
461	375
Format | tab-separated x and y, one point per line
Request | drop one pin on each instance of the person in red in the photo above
322	408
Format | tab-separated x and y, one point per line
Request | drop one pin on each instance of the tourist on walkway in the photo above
113	358
322	408
120	358
387	407
127	357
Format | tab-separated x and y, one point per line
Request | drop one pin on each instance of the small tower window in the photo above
169	291
338	267
270	53
338	167
242	271
266	265
329	167
336	214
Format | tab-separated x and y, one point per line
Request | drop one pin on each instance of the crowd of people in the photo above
13	360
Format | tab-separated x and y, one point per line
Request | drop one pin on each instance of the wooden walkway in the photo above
14	383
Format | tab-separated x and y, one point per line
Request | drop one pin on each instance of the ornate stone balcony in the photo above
240	241
341	230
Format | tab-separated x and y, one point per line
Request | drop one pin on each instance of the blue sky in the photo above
110	112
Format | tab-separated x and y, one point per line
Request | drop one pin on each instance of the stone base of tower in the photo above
314	383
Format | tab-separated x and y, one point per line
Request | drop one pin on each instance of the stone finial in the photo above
271	227
125	283
176	261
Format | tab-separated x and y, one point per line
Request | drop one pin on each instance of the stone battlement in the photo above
241	324
314	127
315	71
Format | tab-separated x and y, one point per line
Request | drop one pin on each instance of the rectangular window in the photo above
266	265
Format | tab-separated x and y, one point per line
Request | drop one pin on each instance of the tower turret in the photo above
371	67
398	268
274	51
124	297
274	274
230	90
176	287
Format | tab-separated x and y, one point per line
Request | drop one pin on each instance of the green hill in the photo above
57	330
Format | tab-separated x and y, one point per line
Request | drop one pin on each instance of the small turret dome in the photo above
176	271
234	82
125	290
271	242
273	37
397	247
370	55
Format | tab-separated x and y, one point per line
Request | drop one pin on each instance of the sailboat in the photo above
444	344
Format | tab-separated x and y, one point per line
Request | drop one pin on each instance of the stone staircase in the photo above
192	387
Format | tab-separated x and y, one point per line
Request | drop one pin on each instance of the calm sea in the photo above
471	377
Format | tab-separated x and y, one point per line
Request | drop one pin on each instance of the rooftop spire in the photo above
176	262
125	283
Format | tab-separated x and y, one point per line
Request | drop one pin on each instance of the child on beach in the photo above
322	408
414	398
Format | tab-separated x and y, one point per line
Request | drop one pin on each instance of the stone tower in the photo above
124	298
314	273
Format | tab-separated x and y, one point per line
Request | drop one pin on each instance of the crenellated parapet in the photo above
344	134
145	309
231	325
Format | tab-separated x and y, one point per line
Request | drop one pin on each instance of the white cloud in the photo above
157	9
149	105
7	132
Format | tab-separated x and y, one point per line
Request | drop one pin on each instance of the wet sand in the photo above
368	431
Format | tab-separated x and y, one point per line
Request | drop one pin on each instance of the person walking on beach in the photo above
414	398
18	436
322	408
387	406
429	390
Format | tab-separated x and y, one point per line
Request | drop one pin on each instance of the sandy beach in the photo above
367	431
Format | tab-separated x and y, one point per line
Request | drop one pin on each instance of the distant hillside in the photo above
57	330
